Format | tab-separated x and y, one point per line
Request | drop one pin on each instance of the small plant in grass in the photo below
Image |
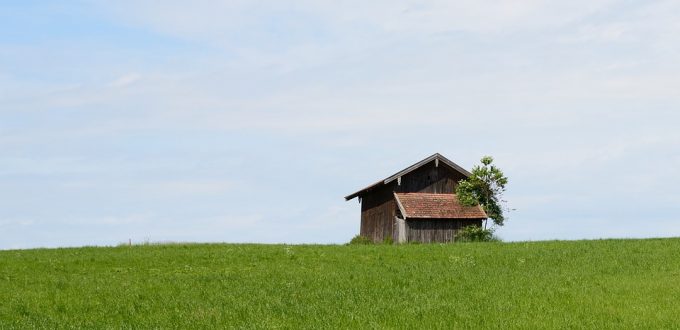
476	234
360	240
388	240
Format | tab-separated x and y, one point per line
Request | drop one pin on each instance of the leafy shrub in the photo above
475	234
360	240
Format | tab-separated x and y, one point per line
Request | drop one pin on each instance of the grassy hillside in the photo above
594	284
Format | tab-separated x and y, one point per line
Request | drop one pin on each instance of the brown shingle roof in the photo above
437	206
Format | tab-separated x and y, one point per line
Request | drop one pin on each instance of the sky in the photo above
249	121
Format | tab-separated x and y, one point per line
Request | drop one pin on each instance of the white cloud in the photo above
211	19
15	222
126	80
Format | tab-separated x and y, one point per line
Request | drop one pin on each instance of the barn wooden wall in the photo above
430	179
440	230
377	215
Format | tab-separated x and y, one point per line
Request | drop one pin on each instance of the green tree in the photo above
485	187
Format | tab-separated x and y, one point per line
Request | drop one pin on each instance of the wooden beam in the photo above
401	207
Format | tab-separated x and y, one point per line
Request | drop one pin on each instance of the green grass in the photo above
605	284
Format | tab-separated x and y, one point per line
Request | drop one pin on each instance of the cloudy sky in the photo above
248	121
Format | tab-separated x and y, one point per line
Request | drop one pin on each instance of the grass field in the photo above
574	284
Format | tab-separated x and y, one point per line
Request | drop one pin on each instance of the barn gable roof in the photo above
434	158
435	206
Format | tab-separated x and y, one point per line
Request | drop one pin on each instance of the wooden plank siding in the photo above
437	230
377	215
430	179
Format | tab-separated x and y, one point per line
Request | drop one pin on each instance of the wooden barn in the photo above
417	204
